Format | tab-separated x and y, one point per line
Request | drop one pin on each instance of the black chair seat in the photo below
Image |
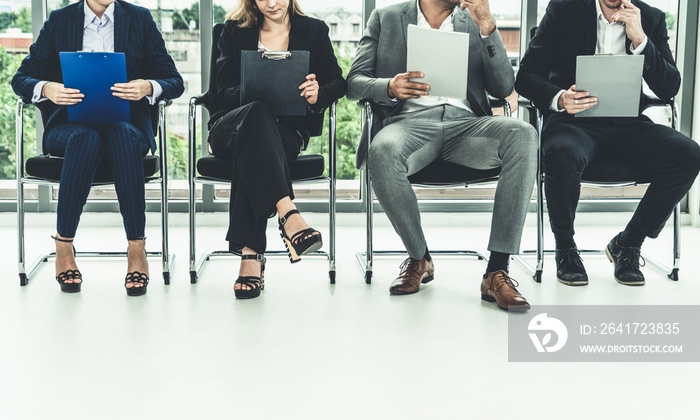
610	172
49	167
440	173
303	167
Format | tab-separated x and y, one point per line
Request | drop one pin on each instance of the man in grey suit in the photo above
416	129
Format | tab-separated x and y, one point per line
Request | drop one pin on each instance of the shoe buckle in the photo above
283	220
260	257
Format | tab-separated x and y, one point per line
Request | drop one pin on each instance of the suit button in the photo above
490	50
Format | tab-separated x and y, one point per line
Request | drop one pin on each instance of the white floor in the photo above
310	350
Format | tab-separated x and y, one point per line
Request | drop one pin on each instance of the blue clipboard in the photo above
94	73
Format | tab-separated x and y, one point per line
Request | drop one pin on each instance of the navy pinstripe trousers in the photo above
83	148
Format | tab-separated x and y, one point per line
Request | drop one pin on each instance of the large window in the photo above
15	39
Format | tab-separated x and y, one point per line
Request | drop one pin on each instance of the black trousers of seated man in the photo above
570	144
260	149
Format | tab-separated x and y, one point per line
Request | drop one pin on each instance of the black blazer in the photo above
135	34
307	34
569	29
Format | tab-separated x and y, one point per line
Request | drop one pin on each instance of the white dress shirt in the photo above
425	102
611	39
98	35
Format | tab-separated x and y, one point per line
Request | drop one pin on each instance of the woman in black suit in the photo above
260	144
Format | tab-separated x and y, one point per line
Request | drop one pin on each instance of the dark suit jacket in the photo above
135	34
569	29
307	34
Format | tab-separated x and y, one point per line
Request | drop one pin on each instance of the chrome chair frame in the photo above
25	273
536	271
365	259
196	264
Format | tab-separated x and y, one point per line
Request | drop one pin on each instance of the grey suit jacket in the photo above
381	55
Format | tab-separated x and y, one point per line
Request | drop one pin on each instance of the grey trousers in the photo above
409	142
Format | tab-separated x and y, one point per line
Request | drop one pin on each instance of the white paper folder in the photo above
443	57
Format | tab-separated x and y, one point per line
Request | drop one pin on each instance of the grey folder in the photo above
274	77
443	57
616	80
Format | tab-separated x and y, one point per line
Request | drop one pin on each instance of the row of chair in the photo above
46	170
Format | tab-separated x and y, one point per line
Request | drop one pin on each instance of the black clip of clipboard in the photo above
274	77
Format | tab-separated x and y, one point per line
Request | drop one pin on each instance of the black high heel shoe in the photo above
69	274
256	284
303	242
136	277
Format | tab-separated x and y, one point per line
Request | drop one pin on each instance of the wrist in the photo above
390	91
487	26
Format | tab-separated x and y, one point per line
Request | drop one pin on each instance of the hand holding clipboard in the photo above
275	77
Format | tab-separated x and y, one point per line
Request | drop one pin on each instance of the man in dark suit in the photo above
416	129
110	26
546	76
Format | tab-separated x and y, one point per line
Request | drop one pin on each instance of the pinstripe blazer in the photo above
135	34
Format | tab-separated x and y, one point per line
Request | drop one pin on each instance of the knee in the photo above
561	156
258	111
693	159
86	140
123	134
525	135
383	154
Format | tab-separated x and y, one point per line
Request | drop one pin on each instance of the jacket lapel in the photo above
298	39
590	26
121	27
75	29
409	17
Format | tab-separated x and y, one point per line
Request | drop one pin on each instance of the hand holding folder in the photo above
274	78
94	74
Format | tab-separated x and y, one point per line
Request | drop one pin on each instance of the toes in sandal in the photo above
136	277
74	275
303	242
256	284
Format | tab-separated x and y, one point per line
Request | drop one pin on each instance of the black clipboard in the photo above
94	73
274	77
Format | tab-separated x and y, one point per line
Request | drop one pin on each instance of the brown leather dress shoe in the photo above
498	287
412	274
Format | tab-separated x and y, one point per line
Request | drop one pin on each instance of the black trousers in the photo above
260	150
569	145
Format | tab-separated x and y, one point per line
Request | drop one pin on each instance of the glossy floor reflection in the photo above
310	350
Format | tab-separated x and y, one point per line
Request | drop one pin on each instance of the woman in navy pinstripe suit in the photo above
111	26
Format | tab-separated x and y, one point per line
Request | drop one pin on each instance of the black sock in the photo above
631	237
564	243
427	255
497	261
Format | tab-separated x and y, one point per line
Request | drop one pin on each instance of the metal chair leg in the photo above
165	252
191	175
332	191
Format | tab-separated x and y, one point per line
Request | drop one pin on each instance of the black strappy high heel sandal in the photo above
136	277
256	284
69	274
302	242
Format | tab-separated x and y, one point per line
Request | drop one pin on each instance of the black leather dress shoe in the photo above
570	270
626	261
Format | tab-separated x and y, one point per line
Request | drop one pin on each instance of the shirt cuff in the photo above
640	48
38	88
157	91
554	105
